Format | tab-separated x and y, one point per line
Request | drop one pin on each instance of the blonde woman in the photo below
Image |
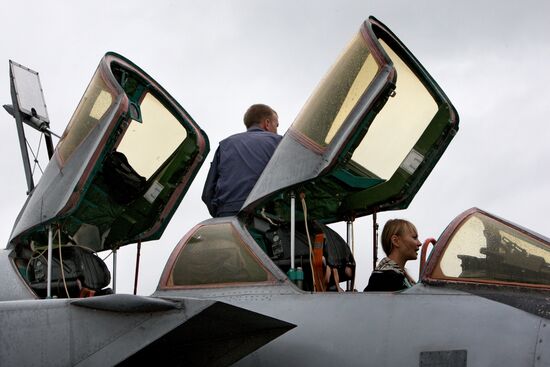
400	243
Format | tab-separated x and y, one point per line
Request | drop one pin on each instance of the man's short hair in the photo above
256	113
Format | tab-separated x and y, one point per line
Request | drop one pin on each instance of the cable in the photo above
40	254
106	257
304	208
266	217
35	156
61	263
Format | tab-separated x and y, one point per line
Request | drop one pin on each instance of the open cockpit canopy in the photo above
366	139
121	168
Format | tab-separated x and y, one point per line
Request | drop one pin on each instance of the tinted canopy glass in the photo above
93	106
399	125
147	144
335	97
214	254
487	250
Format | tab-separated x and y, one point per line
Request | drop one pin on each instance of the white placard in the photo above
412	161
153	192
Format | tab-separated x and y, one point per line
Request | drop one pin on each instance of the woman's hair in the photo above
397	227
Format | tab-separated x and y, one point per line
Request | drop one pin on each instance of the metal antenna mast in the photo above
28	106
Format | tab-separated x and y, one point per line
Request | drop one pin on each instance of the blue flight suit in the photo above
237	165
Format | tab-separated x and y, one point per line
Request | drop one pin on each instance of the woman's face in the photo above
408	244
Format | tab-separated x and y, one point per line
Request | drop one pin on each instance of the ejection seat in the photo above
333	261
76	272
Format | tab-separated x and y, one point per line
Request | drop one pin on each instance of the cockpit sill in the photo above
529	299
498	289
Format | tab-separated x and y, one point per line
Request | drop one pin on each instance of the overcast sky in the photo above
218	57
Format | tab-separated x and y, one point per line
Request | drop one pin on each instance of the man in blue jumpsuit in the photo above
239	161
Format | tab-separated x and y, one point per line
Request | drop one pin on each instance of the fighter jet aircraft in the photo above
263	288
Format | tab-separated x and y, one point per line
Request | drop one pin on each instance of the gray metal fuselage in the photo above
390	329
